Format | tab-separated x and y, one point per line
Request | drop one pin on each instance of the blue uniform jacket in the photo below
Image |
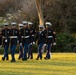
32	35
41	37
49	36
14	32
25	34
6	36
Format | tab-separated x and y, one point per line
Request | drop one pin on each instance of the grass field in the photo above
60	64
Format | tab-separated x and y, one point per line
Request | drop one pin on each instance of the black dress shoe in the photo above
40	58
24	59
45	58
3	58
12	60
31	58
37	58
19	58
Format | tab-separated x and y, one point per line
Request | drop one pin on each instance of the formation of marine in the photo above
26	36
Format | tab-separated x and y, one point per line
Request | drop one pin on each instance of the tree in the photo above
62	14
40	11
29	11
10	7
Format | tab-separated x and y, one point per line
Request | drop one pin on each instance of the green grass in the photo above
60	64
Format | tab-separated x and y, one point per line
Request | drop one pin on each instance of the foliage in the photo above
9	6
62	14
65	42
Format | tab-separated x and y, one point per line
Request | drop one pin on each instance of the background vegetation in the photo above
61	13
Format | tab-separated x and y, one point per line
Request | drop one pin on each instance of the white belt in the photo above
25	37
32	35
49	36
5	37
13	37
32	43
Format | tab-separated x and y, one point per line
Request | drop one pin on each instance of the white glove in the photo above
17	41
54	43
20	43
34	43
44	44
6	40
30	43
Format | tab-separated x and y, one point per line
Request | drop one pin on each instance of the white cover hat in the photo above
20	25
13	23
41	26
24	22
30	23
48	23
6	24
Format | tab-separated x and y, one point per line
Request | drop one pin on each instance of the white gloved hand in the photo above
20	43
30	43
54	43
34	43
6	40
44	44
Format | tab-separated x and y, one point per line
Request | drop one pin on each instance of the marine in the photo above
14	32
6	40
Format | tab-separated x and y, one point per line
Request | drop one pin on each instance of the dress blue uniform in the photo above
0	39
20	43
14	32
32	40
25	33
6	39
50	38
41	37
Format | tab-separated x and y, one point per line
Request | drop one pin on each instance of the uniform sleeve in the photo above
34	31
17	32
20	31
0	39
36	37
10	32
54	36
2	32
19	38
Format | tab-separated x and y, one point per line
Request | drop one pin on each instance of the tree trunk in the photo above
40	11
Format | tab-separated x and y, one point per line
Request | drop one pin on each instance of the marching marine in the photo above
50	38
14	32
6	39
32	40
41	38
25	34
20	42
0	38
